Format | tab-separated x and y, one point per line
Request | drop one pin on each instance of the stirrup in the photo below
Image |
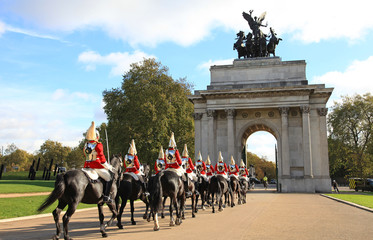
188	194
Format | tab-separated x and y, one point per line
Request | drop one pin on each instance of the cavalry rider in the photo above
189	167
243	171
160	163
209	168
201	166
132	166
174	162
95	159
221	167
233	169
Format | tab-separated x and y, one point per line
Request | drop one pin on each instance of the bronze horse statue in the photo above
273	42
239	45
74	187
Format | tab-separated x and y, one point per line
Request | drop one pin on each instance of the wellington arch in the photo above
267	94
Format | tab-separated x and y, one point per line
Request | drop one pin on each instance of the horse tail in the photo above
215	181
57	192
155	186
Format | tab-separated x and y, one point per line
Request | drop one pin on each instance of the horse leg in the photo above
219	199
56	217
179	206
156	223
66	218
132	211
172	222
145	216
193	206
213	206
101	217
196	204
114	213
119	217
164	202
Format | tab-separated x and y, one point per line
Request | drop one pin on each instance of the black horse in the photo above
166	184
236	190
273	42
244	188
74	187
130	189
239	45
202	188
219	186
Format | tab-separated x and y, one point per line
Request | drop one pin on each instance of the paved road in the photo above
267	215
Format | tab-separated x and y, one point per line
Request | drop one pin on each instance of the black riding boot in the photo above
196	186
107	188
188	193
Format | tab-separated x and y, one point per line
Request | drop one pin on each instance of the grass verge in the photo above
26	186
363	199
26	206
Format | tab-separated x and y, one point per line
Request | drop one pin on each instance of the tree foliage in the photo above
350	137
16	159
53	150
148	106
262	166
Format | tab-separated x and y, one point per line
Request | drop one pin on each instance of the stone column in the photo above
231	113
211	115
307	152
197	133
323	142
285	158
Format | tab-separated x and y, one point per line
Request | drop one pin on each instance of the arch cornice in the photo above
255	125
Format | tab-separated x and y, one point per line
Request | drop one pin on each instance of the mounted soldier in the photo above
160	163
174	163
243	171
132	166
233	169
95	159
209	168
201	166
221	167
189	166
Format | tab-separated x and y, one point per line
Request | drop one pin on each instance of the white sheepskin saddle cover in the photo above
134	175
179	171
92	174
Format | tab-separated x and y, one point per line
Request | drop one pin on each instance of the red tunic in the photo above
135	168
223	172
203	172
211	171
235	171
176	164
100	158
191	166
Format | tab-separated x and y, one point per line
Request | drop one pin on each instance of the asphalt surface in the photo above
266	215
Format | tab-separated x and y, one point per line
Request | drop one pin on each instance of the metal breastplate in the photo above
220	167
171	156
242	171
160	164
130	163
232	168
184	163
208	169
90	152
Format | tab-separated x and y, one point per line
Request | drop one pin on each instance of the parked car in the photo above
254	180
363	184
273	181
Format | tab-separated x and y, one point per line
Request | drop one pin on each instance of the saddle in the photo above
91	174
133	175
179	172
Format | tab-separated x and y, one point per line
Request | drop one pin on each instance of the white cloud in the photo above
2	28
151	22
120	62
356	79
206	65
28	121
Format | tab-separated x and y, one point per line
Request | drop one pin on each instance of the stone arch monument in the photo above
267	94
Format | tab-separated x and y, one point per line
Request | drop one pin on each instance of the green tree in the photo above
18	160
350	135
148	106
261	166
53	150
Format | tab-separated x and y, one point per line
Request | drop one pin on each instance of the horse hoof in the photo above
145	216
172	224
178	221
203	208
156	228
120	226
193	216
55	237
221	209
148	219
162	216
183	217
213	211
133	223
104	234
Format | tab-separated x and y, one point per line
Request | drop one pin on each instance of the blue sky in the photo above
56	57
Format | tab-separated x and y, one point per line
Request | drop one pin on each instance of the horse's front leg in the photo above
114	213
101	217
119	217
156	223
145	216
132	212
